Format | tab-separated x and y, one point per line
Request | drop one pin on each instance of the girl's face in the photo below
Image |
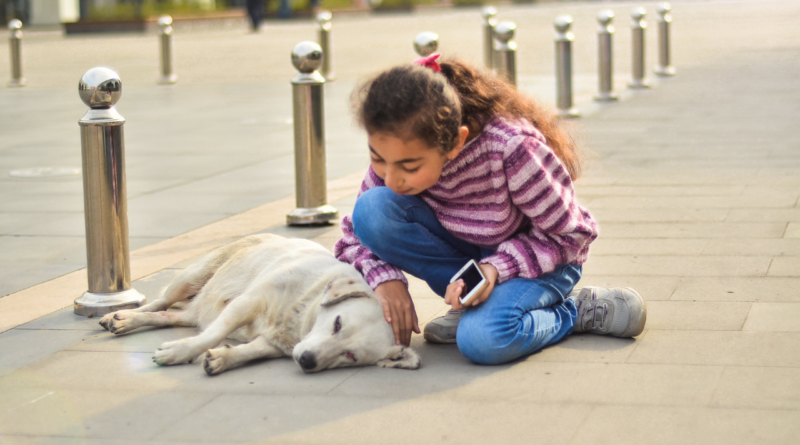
408	167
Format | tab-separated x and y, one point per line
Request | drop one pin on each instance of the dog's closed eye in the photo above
337	325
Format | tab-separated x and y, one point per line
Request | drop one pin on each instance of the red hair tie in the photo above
429	62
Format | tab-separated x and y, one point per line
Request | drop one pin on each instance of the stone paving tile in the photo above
792	230
764	289
101	414
697	315
623	384
17	277
717	348
436	421
651	288
17	439
693	230
750	246
22	347
732	266
64	319
759	215
589	349
609	245
784	267
611	214
664	425
758	387
773	317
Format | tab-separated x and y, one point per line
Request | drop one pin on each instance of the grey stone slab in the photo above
792	230
693	230
756	289
718	348
65	319
22	347
17	277
143	340
678	265
137	415
33	249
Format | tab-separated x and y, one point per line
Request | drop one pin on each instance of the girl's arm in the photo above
560	230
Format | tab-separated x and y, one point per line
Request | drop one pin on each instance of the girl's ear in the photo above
463	132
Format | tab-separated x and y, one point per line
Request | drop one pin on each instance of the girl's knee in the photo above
374	214
480	343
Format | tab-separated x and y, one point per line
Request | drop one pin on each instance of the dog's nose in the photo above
307	360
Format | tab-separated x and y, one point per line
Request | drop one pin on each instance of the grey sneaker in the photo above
620	311
443	329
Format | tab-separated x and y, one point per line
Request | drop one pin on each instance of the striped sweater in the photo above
506	190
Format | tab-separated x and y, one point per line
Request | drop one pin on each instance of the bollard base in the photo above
571	112
16	83
312	215
638	84
94	305
329	76
664	70
606	97
168	80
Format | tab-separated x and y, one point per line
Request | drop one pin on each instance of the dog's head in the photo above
350	330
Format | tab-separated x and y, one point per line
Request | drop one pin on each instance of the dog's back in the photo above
288	274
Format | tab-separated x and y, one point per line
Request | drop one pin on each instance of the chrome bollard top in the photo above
100	88
504	31
664	8
488	13
14	24
323	17
165	21
637	17
307	57
604	18
562	25
426	43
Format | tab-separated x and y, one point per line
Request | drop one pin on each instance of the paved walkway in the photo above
695	184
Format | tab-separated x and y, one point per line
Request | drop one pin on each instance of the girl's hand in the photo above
398	308
454	289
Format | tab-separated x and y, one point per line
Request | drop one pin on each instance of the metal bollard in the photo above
426	43
506	48
309	139
664	67
167	76
104	197
325	25
638	26
489	22
564	39
605	61
15	43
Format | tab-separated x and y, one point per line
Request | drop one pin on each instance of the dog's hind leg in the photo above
227	357
123	322
236	314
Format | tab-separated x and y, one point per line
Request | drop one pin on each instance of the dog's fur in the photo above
279	297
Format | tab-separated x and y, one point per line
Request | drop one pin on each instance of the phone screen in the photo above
472	277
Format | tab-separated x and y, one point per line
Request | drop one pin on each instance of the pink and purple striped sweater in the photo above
506	190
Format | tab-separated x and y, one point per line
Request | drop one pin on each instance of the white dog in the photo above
279	297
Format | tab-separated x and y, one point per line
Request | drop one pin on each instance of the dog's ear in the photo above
341	289
400	357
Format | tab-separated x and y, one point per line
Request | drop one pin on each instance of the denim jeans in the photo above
521	315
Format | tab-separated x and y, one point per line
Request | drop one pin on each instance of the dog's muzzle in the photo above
307	361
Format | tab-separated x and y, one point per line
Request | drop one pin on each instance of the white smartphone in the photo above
474	281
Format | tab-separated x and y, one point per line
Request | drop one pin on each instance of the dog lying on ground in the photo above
279	297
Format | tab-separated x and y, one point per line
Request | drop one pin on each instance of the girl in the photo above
465	167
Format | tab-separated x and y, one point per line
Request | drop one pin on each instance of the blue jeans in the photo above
521	315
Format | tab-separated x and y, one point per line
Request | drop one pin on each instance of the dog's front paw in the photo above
175	353
120	322
215	361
